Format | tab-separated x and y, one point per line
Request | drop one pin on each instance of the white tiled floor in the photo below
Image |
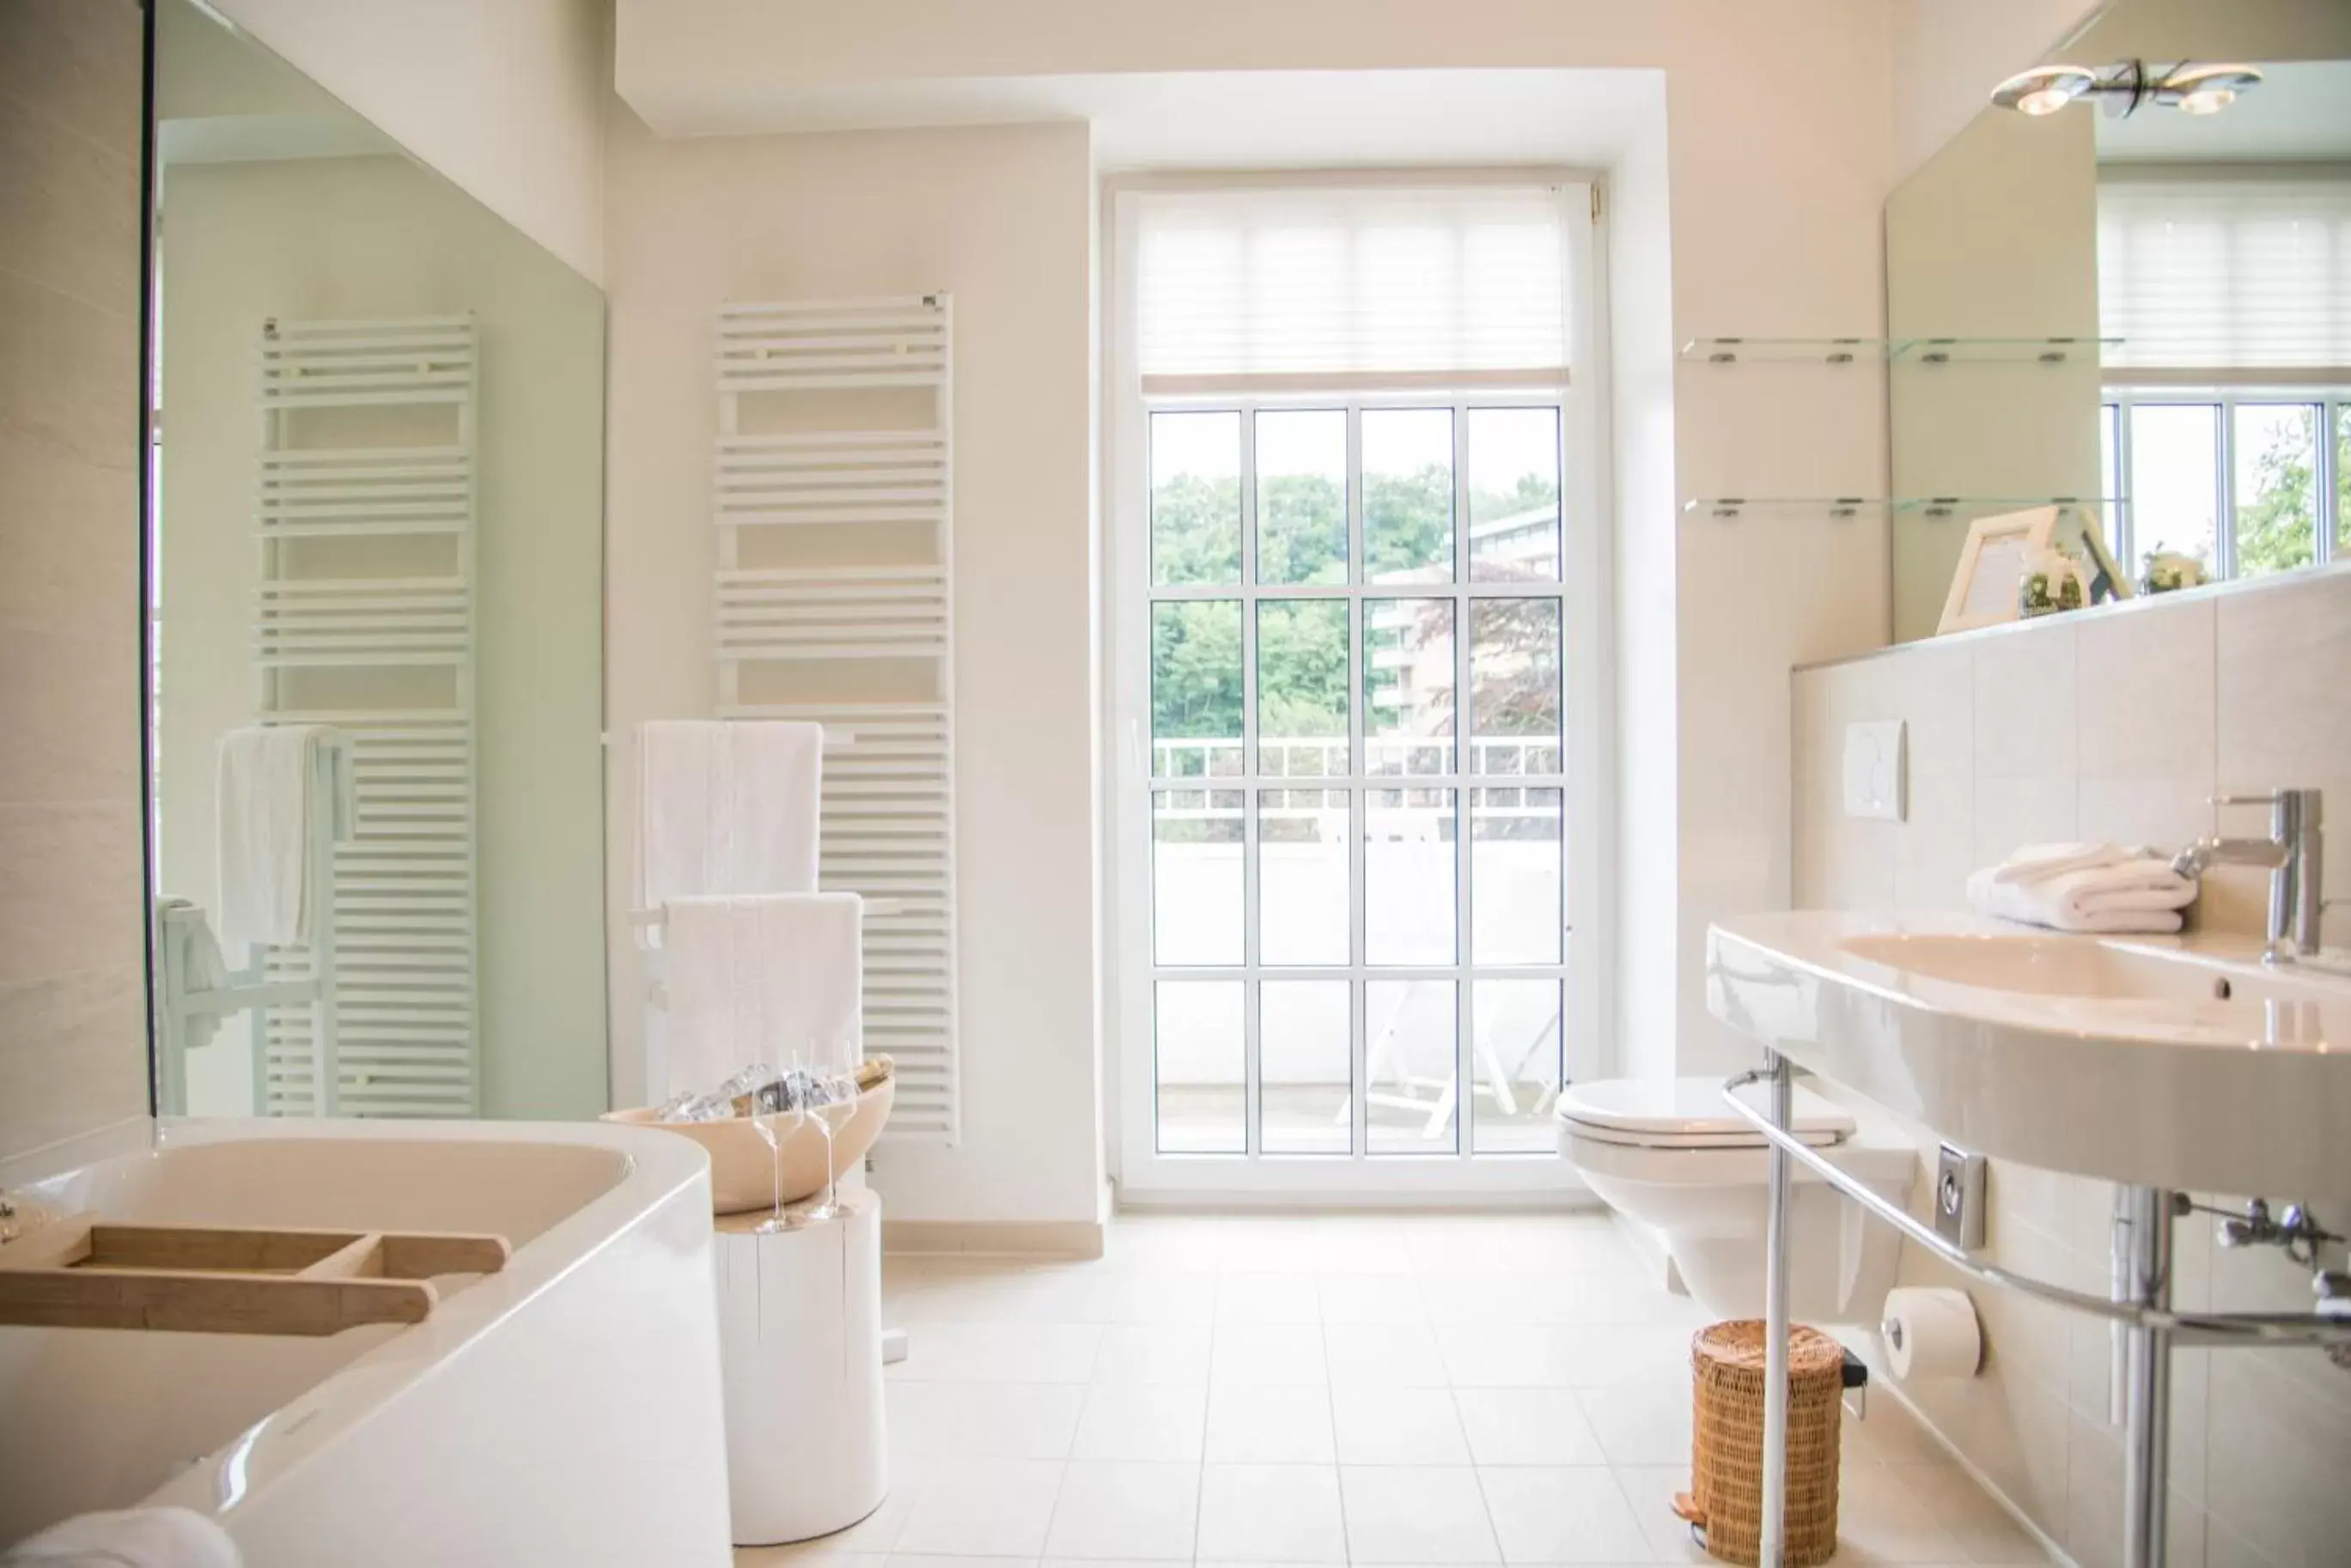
1329	1391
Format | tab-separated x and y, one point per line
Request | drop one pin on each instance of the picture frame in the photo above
2000	548
1992	562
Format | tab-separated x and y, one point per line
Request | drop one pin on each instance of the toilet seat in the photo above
1686	1113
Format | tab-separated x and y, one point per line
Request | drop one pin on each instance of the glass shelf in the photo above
1733	505
2002	350
1902	350
1947	505
1818	351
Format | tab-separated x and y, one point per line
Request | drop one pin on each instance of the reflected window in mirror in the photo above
2248	482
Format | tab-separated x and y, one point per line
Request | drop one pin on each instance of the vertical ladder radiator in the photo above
833	496
366	514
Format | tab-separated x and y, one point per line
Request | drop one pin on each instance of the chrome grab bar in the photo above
2188	1328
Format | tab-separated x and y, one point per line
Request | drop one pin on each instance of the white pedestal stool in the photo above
800	1327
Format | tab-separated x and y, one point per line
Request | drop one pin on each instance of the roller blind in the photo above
2252	271
1351	283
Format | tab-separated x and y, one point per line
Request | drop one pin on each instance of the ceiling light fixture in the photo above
2124	86
2044	89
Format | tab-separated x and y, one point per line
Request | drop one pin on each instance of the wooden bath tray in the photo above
77	1273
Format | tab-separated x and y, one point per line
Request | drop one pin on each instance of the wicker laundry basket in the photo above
1726	1496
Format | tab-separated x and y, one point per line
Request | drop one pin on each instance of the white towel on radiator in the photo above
727	806
264	804
134	1538
775	978
2142	896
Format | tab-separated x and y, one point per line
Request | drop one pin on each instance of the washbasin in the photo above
2164	1061
2046	966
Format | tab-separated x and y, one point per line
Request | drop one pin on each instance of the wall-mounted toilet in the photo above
1669	1155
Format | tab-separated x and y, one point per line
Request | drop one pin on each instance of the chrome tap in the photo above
2292	853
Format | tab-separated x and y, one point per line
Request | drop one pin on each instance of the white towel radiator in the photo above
366	513
833	496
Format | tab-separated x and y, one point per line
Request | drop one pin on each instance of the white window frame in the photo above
2332	398
1145	1175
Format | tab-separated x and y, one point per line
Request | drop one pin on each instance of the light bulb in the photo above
2207	100
2048	100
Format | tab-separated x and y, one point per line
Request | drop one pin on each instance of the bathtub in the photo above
565	1410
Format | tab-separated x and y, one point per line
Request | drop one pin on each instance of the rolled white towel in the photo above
2144	895
2040	862
134	1538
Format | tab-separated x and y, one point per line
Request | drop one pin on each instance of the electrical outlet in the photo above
1876	770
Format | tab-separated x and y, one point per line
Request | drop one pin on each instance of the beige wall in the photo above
1000	218
363	237
2113	724
73	1050
504	97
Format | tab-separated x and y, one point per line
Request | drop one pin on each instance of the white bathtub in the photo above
565	1410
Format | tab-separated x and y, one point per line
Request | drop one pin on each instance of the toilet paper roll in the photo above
1931	1334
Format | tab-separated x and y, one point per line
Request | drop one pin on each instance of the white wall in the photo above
374	237
1950	53
504	97
1773	213
1001	219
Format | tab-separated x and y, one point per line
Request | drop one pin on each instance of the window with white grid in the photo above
1352	545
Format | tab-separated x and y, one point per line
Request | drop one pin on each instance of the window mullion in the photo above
1358	798
2224	515
1465	765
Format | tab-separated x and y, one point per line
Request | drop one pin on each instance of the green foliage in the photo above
1196	646
2278	530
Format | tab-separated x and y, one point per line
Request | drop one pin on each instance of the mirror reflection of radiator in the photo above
833	496
366	516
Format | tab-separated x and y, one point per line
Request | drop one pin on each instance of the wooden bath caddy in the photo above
78	1273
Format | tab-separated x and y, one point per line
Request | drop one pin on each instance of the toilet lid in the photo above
1688	1112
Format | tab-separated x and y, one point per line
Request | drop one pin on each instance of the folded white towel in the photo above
726	807
2142	896
2039	862
264	804
774	978
134	1538
190	949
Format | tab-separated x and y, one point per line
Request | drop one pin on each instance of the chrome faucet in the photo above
2293	853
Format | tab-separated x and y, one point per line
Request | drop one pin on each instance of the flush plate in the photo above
1876	770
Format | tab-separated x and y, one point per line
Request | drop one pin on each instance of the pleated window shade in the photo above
1337	285
2250	272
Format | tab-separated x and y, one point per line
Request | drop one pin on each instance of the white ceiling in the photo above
2301	112
1242	120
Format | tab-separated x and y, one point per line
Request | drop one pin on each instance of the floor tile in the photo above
1268	1298
1509	1356
1396	1426
1881	1518
1640	1423
1469	1297
1366	1244
1135	1510
1526	1427
984	1508
1610	1355
1153	1353
1143	1421
1371	1298
1268	1354
1562	1514
1984	1531
1064	1294
985	1420
1000	1352
1408	1514
1249	1424
1650	1489
1268	1245
818	1554
929	1560
1155	1296
1383	1355
1271	1513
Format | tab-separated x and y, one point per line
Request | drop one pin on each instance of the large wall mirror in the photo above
2134	306
375	601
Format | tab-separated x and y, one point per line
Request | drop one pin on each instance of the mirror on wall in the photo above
374	612
2133	308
